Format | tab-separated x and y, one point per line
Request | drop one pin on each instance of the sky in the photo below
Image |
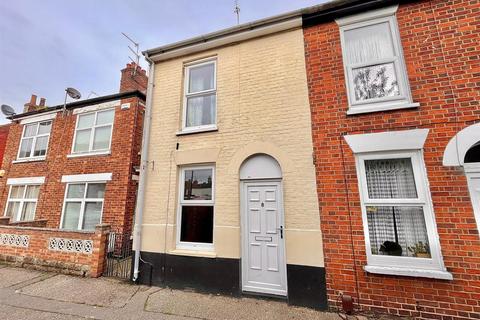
48	45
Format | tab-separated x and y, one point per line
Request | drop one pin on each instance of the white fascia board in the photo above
367	16
99	106
94	177
38	118
228	39
387	141
28	180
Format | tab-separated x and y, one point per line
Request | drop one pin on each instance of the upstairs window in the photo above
34	142
83	206
22	202
199	110
375	72
93	132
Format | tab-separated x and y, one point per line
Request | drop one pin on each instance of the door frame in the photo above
472	171
244	229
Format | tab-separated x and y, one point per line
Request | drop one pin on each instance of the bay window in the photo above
196	208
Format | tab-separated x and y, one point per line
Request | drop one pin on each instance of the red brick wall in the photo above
442	52
118	210
3	140
37	254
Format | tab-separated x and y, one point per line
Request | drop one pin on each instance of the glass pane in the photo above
105	117
101	140
28	211
12	209
197	224
45	127
473	154
76	191
30	130
32	192
17	192
201	78
368	44
398	231
71	215
82	140
26	148
86	121
390	179
96	190
201	110
93	213
198	184
40	146
375	82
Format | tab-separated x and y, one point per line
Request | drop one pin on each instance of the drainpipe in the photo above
137	231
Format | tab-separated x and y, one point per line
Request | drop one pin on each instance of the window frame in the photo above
435	263
404	99
198	246
187	67
82	203
92	134
35	137
21	201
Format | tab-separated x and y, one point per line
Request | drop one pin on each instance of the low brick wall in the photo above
70	252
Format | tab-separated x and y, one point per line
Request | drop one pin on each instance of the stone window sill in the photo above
88	154
29	160
194	253
410	272
369	108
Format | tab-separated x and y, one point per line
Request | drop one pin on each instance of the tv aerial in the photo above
7	110
237	11
136	52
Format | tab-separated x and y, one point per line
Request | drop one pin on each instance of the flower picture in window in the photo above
196	207
22	202
83	206
200	95
396	227
34	142
375	82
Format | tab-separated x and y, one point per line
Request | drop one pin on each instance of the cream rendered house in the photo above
229	202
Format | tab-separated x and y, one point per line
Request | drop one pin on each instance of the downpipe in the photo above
137	229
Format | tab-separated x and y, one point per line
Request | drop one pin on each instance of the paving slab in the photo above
216	307
104	292
14	313
13	276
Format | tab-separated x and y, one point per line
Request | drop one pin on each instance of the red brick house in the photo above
76	167
394	94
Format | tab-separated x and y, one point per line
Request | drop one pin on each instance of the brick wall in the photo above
43	249
441	47
3	140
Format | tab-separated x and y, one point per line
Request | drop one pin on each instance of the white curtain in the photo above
201	110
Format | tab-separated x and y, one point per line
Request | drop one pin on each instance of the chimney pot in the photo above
33	100
42	102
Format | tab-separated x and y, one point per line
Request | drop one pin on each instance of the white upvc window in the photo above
83	206
200	96
22	202
34	141
93	132
195	215
375	72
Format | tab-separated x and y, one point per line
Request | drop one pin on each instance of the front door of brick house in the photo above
263	254
472	171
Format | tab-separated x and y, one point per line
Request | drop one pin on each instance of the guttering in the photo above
137	229
228	36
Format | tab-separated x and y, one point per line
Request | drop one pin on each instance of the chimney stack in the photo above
133	78
32	105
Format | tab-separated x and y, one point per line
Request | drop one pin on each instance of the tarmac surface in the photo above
29	294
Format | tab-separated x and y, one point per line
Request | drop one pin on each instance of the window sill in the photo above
410	272
194	253
199	130
88	154
29	160
378	108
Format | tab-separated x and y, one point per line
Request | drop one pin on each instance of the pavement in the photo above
29	294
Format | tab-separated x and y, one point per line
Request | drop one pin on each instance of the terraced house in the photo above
72	167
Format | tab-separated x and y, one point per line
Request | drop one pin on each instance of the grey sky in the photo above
48	45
